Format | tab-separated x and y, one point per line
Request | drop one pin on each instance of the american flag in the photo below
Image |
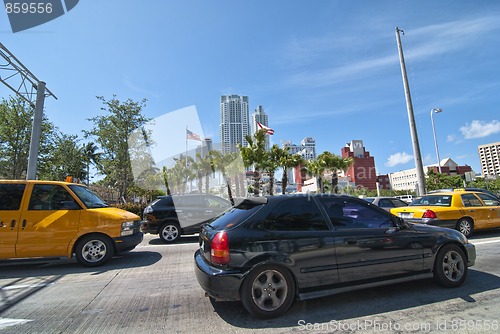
268	130
192	135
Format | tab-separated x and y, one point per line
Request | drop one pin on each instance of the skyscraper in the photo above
234	122
260	116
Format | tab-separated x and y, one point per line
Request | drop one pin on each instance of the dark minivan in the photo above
176	215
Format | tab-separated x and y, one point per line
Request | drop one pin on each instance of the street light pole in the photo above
436	110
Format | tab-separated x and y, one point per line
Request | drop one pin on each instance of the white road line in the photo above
6	322
24	286
484	242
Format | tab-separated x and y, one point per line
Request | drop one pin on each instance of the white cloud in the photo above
480	129
451	138
398	158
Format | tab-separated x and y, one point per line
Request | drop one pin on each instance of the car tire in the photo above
268	291
169	232
450	268
94	250
465	226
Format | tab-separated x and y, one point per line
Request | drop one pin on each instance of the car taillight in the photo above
429	214
219	252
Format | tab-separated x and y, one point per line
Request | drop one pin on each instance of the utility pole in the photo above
411	118
22	82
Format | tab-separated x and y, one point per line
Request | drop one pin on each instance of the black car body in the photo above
267	252
176	215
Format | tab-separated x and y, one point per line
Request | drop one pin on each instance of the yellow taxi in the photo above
465	211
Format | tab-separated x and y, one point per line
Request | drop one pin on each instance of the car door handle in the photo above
471	210
24	224
351	242
178	211
209	211
13	223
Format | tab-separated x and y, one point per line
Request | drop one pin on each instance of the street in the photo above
153	289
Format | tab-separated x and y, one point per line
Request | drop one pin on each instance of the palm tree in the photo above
255	155
220	162
335	163
166	176
316	168
91	157
205	167
285	160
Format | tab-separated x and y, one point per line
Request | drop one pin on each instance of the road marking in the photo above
24	286
6	322
485	242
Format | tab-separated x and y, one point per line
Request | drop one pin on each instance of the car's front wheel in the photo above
170	232
450	268
465	226
94	250
268	291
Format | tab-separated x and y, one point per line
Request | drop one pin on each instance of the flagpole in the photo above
187	157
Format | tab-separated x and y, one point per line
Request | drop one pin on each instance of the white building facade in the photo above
489	156
234	122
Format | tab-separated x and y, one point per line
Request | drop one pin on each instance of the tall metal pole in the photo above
36	131
436	110
411	118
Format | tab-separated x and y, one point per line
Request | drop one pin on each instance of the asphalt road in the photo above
153	290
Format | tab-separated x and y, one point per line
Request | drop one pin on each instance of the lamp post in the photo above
433	111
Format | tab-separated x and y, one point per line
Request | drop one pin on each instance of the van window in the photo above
48	197
11	196
91	200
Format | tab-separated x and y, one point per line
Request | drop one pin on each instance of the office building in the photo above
362	172
260	116
234	122
489	156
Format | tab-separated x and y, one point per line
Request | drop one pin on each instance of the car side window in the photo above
470	200
48	197
398	203
296	214
488	200
11	196
385	203
346	213
213	203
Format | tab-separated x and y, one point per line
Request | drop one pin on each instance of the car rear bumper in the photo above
218	283
128	242
432	221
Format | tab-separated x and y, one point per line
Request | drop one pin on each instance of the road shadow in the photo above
485	234
21	279
189	239
362	303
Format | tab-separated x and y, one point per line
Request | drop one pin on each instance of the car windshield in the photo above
434	200
368	199
88	198
234	216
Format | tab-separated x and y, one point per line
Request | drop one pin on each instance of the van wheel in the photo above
170	232
465	226
268	291
94	250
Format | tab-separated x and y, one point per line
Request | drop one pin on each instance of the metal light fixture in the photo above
436	110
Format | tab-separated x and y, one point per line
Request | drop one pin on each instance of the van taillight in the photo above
219	252
429	214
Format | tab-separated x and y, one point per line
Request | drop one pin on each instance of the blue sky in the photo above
323	69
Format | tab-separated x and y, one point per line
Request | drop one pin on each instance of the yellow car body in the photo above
465	211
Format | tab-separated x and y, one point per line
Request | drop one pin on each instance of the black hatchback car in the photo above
176	215
267	252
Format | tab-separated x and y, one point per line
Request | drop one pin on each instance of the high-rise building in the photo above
260	116
234	122
489	156
307	148
362	172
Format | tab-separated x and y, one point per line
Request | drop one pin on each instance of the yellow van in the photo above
40	219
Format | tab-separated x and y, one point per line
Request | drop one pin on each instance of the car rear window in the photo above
233	217
434	200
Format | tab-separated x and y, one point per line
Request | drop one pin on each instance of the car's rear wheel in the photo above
94	250
170	232
268	291
465	226
450	268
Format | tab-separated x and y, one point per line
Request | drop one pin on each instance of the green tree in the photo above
220	162
91	156
335	164
16	121
255	155
285	160
111	132
65	159
316	168
437	180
